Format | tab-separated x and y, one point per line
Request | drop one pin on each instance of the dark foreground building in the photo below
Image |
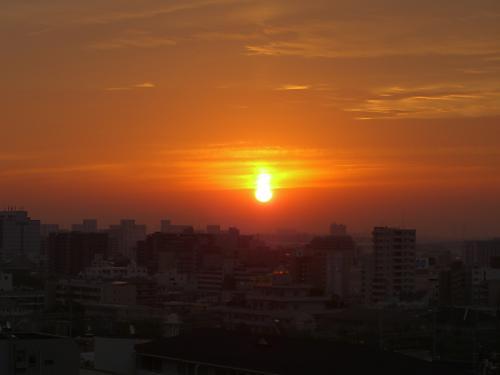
38	354
216	352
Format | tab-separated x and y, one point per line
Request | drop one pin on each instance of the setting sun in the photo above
263	192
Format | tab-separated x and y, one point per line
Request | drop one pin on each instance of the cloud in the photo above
55	170
133	39
430	102
144	85
140	14
293	87
235	166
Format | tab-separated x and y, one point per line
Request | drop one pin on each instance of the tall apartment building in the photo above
19	234
125	236
326	265
394	263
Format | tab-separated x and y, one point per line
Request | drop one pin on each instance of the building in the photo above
87	292
168	227
20	304
125	236
116	355
461	285
326	264
162	252
87	226
271	309
37	354
5	282
219	352
485	253
108	270
138	291
19	235
47	229
453	285
394	264
69	253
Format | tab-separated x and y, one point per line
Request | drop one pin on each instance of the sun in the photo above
263	192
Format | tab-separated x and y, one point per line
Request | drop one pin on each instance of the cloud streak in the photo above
429	102
144	85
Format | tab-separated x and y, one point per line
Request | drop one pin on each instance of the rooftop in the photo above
290	356
27	336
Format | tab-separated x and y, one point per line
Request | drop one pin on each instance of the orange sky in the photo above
365	113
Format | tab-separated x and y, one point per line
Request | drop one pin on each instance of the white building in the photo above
19	235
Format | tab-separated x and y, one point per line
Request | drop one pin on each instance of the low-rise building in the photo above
37	354
93	291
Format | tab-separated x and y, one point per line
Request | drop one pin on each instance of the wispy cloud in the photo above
290	87
429	102
236	166
141	13
133	39
57	170
144	85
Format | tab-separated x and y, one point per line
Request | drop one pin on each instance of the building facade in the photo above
394	264
19	235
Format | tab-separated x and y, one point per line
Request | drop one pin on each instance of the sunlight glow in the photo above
263	192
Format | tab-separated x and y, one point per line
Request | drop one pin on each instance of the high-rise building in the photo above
125	236
326	265
19	234
87	226
394	263
46	229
